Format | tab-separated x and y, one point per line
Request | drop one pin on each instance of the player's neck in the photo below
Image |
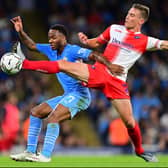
60	50
134	29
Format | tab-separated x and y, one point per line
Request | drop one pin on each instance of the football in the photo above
11	63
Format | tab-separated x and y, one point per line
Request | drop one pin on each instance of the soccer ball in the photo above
11	63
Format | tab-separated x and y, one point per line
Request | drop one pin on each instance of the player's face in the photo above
134	20
56	39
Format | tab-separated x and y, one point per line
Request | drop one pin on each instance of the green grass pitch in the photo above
88	161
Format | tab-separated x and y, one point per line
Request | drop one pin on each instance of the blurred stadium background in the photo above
97	130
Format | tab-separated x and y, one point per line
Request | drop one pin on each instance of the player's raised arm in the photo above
113	68
18	25
92	43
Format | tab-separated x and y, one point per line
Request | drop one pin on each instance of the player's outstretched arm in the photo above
164	45
18	25
113	68
92	43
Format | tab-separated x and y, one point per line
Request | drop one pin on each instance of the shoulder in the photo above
143	35
43	45
73	47
116	26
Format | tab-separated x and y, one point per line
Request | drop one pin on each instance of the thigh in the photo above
76	70
115	88
68	106
53	102
41	111
59	114
44	109
124	108
97	77
75	102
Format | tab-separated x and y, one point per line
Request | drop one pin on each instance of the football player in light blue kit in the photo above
75	98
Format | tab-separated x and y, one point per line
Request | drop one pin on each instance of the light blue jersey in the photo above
76	97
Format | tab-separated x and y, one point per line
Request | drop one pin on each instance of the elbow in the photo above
92	56
32	47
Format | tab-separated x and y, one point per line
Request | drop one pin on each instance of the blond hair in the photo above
144	10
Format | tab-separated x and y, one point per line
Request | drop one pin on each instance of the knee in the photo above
62	64
130	123
53	118
37	113
56	117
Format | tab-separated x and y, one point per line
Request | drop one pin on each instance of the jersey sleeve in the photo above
104	37
43	48
153	43
81	53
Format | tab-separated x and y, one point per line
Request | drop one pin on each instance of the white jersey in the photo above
125	47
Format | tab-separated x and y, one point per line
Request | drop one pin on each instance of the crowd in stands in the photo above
148	79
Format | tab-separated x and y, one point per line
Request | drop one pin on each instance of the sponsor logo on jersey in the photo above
93	67
137	37
122	44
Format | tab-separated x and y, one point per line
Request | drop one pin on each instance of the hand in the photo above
116	70
83	38
17	21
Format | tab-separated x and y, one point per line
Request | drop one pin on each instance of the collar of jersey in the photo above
131	32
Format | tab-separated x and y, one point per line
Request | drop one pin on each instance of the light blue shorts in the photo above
73	101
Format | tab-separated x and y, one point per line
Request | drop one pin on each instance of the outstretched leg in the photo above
77	70
41	66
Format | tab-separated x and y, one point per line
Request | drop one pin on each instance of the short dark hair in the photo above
61	28
144	10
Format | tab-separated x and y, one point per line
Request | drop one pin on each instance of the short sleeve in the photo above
153	43
81	53
43	48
